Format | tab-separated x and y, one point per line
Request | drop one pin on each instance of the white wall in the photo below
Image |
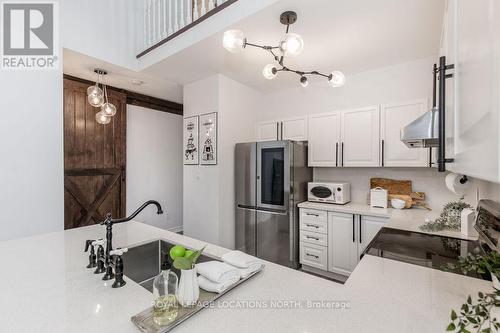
31	136
102	29
209	190
154	165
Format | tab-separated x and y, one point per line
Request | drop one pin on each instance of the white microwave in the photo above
334	193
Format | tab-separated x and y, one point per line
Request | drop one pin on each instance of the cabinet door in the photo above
324	140
477	88
361	137
268	131
394	152
294	129
369	226
342	243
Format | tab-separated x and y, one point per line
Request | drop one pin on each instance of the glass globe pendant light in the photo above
336	79
270	71
291	45
234	41
303	81
102	119
95	94
107	108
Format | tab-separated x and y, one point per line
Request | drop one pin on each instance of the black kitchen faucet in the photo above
106	258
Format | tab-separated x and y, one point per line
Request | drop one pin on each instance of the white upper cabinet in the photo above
294	129
268	131
361	137
286	129
394	153
324	140
475	52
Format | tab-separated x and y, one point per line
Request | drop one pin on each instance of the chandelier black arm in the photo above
301	73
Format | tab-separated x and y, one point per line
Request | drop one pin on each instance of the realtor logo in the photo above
29	35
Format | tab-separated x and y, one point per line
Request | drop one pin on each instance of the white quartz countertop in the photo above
45	287
403	219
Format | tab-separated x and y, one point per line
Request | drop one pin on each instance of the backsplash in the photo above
426	180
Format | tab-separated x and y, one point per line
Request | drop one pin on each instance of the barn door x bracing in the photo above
94	158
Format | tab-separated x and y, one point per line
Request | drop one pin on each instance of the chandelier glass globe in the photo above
96	100
270	71
291	45
108	109
337	79
94	90
234	41
304	82
101	118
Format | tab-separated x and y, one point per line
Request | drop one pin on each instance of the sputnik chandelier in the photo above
97	96
290	45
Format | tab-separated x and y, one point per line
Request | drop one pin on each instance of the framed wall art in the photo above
191	147
208	138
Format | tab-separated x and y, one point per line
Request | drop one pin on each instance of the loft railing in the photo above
166	19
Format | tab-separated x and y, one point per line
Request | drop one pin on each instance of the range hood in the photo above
423	132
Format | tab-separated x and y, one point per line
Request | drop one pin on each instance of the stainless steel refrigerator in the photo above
270	179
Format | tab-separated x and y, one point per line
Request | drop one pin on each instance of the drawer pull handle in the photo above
312	255
310	237
312	214
312	226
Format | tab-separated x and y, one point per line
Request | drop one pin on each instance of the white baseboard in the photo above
176	229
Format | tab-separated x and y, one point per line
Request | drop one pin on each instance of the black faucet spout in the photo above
109	221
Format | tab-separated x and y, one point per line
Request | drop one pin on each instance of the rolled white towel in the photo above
208	285
217	271
245	263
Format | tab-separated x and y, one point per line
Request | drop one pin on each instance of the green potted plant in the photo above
478	315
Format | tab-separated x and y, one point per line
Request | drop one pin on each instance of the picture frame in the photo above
190	149
208	138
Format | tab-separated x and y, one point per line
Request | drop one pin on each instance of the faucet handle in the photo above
118	252
98	242
88	243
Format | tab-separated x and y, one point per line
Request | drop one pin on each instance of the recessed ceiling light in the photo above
137	82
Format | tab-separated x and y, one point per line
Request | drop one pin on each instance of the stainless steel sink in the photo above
142	263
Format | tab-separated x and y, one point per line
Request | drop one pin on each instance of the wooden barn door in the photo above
94	158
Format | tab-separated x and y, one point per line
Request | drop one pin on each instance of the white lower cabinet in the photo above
342	246
333	241
369	227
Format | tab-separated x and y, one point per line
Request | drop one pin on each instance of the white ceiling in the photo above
347	35
82	66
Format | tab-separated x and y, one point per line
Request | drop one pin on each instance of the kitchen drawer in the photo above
313	215
313	238
314	255
314	226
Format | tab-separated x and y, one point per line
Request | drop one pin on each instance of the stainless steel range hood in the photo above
423	132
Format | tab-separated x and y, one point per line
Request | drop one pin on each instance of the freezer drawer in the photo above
275	242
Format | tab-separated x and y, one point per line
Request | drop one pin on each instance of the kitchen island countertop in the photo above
45	287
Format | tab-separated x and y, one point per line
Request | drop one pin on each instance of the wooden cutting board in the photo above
392	186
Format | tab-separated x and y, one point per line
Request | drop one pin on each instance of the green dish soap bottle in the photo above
165	305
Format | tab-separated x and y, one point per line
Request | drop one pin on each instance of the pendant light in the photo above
97	96
290	45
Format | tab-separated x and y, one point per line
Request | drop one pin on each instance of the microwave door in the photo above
273	175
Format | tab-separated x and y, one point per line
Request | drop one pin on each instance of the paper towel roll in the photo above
453	184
